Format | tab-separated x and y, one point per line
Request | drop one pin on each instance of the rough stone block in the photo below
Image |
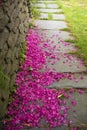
3	22
4	95
3	40
12	37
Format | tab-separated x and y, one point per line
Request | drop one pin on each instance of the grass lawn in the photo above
76	16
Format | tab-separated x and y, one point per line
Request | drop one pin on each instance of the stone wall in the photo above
14	24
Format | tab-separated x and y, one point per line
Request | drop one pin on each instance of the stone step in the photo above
77	114
48	6
52	6
47	1
41	5
66	63
50	10
54	16
49	24
43	15
56	38
62	61
77	81
55	34
59	16
57	128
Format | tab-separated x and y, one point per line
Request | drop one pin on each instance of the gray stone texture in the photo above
40	5
43	15
59	16
77	114
13	27
66	63
50	10
52	6
49	24
62	34
78	81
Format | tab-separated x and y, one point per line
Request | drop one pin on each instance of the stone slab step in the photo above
43	15
77	114
80	115
59	16
55	16
50	10
62	62
52	6
57	128
66	63
56	40
62	47
78	81
46	0
63	35
49	24
41	5
48	6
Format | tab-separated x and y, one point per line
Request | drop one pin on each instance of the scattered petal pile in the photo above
34	101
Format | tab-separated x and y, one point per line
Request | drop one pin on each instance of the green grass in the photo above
76	15
35	13
61	12
55	12
4	80
50	16
70	40
65	29
46	4
43	18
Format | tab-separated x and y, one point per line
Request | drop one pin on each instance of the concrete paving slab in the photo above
49	24
43	15
52	6
66	63
59	16
76	82
57	128
60	45
62	34
47	1
40	5
77	114
63	48
80	115
51	10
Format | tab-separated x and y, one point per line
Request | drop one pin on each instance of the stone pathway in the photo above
53	29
